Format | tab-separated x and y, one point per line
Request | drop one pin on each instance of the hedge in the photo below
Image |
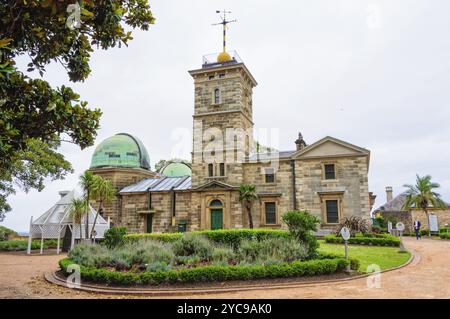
17	245
215	273
444	235
222	236
387	240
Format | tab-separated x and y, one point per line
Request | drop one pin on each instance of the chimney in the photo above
300	142
63	193
389	196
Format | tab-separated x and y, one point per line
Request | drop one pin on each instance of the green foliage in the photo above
301	224
422	194
103	191
247	194
6	233
18	245
193	245
386	240
444	235
114	237
274	250
90	255
164	237
31	109
29	167
355	224
213	272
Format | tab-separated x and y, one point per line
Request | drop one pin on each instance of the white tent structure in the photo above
56	221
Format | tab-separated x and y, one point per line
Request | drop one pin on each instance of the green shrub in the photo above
444	235
114	237
164	237
355	224
223	254
229	237
193	245
214	272
6	233
90	255
272	250
150	252
301	224
18	245
387	240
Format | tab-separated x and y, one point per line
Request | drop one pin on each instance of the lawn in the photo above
385	257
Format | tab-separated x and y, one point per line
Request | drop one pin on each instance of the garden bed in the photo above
207	256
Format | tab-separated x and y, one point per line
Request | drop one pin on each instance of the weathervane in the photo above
224	23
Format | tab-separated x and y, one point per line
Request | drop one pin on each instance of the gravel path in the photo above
427	277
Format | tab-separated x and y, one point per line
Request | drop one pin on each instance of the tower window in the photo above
222	169
217	96
211	77
210	170
330	172
221	75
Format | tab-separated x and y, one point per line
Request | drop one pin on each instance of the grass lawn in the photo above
385	257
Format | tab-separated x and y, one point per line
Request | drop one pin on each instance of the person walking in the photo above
417	225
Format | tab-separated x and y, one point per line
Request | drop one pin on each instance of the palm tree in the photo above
87	182
247	194
103	191
77	209
422	196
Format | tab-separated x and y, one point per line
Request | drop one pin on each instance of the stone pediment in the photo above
213	185
330	147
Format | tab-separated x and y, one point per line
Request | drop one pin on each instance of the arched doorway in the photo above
216	211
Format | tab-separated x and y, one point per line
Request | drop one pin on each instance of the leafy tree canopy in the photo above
33	114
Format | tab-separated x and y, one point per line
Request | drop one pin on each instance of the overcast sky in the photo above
372	73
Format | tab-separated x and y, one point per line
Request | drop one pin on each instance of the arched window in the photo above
217	96
216	202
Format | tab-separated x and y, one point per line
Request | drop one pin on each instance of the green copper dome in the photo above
121	150
176	169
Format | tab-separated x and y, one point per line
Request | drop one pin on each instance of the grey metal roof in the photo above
271	155
162	184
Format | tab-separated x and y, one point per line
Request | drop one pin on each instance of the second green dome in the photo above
176	169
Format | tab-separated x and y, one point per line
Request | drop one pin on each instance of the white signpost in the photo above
345	233
434	224
401	227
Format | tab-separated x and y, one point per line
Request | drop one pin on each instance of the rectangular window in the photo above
332	211
216	96
210	170
270	212
221	75
329	171
211	77
269	175
222	169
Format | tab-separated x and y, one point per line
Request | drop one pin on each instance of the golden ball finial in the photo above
223	57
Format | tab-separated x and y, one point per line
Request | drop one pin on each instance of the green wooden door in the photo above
216	218
149	223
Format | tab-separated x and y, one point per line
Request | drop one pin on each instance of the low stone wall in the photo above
443	217
399	216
